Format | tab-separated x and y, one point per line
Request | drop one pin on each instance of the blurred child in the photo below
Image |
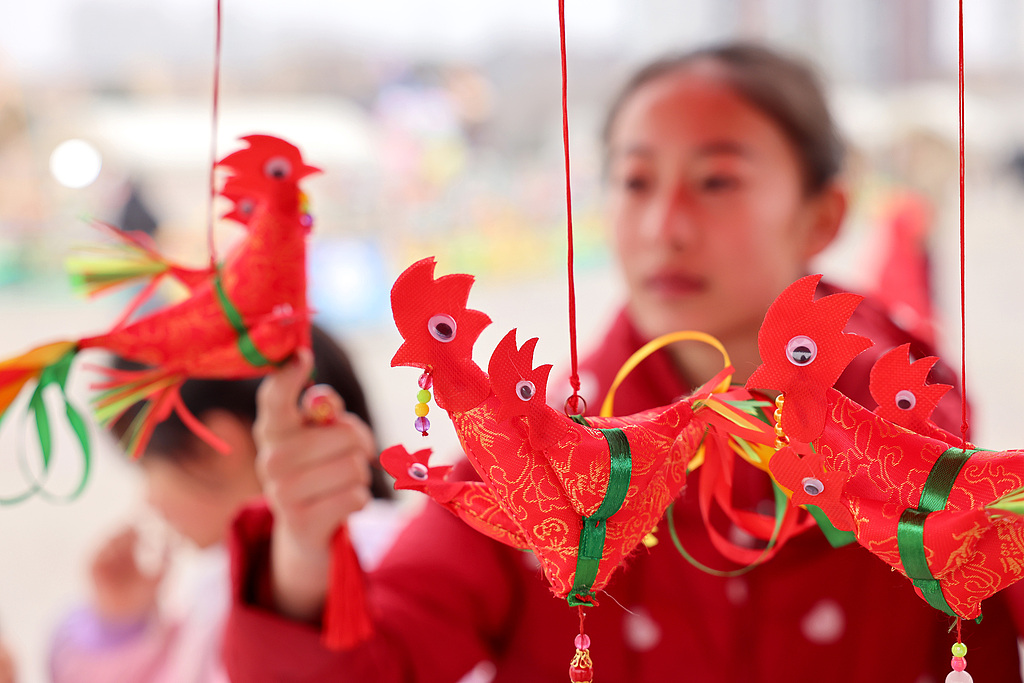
124	634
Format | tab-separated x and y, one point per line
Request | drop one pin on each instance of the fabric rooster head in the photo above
804	350
243	201
439	331
517	384
270	169
411	470
521	391
901	389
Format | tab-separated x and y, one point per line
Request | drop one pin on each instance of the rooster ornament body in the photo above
581	494
239	320
936	508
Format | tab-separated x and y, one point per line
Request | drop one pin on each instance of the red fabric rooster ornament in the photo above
240	320
581	494
947	515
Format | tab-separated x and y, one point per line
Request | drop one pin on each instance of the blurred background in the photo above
438	127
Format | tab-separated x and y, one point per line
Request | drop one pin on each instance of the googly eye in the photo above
812	486
525	390
418	471
442	327
801	350
905	400
278	168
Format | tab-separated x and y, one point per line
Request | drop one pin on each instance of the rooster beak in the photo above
406	356
306	170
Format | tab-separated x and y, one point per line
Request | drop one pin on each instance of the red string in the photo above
963	299
964	425
574	378
214	125
582	615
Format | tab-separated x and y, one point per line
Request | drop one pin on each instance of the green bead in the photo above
423	396
959	649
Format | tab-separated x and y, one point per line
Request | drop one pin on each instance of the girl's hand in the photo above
315	474
122	591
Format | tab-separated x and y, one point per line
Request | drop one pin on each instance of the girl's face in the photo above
200	494
193	497
707	203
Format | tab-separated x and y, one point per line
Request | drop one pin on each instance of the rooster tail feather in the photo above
1010	503
156	390
102	269
97	269
735	419
47	366
53	360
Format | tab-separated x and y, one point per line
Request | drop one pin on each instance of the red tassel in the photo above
346	619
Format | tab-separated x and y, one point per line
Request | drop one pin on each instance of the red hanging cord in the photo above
574	378
964	425
214	126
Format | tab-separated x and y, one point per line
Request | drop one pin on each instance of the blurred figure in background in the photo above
903	281
8	673
123	634
723	183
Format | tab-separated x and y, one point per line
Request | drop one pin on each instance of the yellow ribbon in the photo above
650	347
655	344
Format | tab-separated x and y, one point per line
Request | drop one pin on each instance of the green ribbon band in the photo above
910	531
781	505
835	537
595	528
57	375
246	346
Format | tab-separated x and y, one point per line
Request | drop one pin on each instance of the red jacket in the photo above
447	597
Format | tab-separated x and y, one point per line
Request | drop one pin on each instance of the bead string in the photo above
781	440
581	668
426	381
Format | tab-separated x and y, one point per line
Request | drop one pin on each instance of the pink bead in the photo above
582	642
959	663
425	381
959	677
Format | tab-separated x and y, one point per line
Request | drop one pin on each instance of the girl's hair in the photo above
784	88
173	440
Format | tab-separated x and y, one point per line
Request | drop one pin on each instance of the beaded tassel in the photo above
781	440
581	668
959	663
422	424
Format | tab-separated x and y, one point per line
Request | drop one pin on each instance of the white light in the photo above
75	163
